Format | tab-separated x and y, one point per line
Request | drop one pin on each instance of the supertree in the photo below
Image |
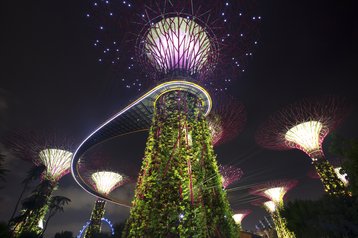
230	174
240	215
304	126
183	44
53	154
226	120
171	197
233	25
104	182
275	191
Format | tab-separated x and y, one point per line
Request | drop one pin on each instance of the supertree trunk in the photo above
332	184
96	216
38	207
281	225
179	191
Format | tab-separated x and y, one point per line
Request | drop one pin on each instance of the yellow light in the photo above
190	139
106	181
57	162
41	223
306	135
270	206
276	194
342	177
215	127
238	217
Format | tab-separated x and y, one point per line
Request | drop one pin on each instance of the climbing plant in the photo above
179	191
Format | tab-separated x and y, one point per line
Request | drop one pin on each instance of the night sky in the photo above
51	81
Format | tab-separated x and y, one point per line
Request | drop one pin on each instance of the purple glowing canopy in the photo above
178	43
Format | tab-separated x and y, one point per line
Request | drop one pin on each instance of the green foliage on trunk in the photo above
34	209
179	191
332	184
98	211
347	151
281	225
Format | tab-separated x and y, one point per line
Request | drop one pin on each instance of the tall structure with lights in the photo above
304	126
171	197
104	182
56	161
186	46
275	192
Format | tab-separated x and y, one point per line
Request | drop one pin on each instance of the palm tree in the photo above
57	204
34	208
33	174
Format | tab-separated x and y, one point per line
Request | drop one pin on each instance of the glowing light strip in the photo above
88	223
167	86
342	177
238	217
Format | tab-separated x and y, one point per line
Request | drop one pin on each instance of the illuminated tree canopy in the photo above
274	190
303	125
230	174
105	181
57	162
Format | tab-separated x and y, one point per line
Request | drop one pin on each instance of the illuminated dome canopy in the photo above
238	217
306	135
274	190
276	194
56	161
106	181
270	206
178	43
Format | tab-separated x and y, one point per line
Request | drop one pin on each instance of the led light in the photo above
229	174
342	177
238	217
177	43
41	224
215	128
57	162
154	93
276	194
306	135
106	181
270	206
108	222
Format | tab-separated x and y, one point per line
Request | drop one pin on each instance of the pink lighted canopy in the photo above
178	43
